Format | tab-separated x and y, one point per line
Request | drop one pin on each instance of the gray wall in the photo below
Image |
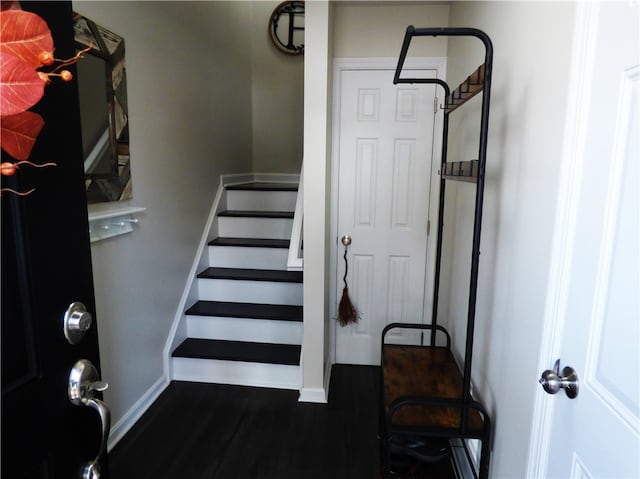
189	88
277	97
528	108
376	29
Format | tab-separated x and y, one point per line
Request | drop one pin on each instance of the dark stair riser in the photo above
278	312
213	349
263	186
241	274
256	214
250	242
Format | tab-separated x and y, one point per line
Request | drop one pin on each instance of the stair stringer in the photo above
178	331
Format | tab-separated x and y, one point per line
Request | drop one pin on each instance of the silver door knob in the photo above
552	381
76	322
83	384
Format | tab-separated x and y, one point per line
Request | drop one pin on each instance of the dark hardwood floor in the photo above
207	431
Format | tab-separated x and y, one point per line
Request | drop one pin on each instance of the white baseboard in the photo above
136	411
277	177
315	395
236	178
233	179
327	375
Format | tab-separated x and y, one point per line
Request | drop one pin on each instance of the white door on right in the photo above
597	434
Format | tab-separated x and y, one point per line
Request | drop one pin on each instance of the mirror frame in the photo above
293	10
110	48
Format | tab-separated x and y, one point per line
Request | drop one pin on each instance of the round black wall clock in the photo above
286	27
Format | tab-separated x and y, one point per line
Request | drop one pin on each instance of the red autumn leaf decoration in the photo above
26	44
20	85
18	133
24	35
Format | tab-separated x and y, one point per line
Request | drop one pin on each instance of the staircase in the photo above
246	325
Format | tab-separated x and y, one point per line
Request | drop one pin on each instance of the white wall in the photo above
189	89
532	42
317	172
376	29
277	94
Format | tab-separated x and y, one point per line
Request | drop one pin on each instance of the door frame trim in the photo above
439	64
569	187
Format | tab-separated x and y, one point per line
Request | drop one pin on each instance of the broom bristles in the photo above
347	313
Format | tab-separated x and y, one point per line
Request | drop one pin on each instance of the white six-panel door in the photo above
595	322
385	153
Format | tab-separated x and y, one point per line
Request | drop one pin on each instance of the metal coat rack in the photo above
468	418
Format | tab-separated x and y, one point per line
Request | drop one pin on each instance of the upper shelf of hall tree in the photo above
474	83
466	90
470	87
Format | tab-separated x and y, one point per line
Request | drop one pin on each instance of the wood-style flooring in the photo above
208	431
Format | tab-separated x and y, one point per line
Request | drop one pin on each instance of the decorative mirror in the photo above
102	85
286	27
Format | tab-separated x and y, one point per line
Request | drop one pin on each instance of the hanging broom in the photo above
347	313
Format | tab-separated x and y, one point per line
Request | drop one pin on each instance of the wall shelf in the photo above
469	88
461	171
107	221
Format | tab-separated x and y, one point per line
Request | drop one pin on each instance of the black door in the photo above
46	266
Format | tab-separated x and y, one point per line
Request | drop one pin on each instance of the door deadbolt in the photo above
552	381
76	323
